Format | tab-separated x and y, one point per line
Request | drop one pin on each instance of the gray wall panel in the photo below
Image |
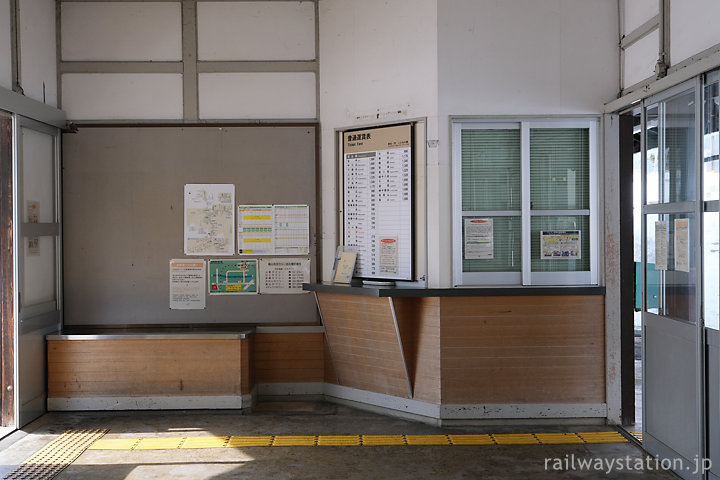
123	212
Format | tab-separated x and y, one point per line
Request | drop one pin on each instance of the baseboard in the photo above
150	403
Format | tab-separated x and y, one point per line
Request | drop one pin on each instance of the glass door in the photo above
673	398
37	210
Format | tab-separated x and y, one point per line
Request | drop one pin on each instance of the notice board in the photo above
123	215
378	201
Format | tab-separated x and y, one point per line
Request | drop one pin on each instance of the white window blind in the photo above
524	179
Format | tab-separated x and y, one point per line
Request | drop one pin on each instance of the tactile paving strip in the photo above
55	456
171	443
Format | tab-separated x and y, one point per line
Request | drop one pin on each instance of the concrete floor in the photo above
308	418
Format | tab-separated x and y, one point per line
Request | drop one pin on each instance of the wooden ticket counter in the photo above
468	353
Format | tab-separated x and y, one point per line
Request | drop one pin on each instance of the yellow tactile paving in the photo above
239	441
637	435
372	440
163	443
427	440
515	439
167	443
338	440
558	438
115	444
602	437
55	456
471	440
205	442
294	441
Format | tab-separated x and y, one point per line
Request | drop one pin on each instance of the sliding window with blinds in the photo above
525	201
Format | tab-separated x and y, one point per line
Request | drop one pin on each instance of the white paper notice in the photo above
478	238
187	284
273	229
292	229
209	219
388	248
284	275
661	253
682	244
255	229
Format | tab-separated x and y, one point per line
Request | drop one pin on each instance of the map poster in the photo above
187	284
209	219
232	276
284	275
560	245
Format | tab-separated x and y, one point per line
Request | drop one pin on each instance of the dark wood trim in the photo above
7	275
627	274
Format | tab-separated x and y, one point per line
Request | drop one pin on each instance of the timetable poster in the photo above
377	204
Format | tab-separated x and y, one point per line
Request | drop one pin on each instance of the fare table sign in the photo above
378	201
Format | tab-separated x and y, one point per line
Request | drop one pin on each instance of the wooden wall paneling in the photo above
127	368
548	349
419	323
7	276
289	357
363	338
330	374
247	372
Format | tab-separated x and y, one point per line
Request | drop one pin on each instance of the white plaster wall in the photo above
517	57
121	31
377	58
38	67
637	12
693	28
122	96
256	30
640	59
5	46
257	95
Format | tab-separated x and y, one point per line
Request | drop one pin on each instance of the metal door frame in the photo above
697	210
46	317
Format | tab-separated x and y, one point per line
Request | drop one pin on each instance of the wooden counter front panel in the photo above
139	368
364	343
511	350
289	357
419	322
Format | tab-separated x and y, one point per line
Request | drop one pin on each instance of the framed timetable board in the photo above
378	201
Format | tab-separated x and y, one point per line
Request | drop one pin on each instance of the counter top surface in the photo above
413	291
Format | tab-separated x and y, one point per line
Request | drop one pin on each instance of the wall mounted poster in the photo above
284	275
377	201
187	284
273	229
478	238
209	219
560	245
233	276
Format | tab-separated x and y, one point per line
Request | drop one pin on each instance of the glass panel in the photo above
671	287
558	224
652	154
506	248
490	169
559	168
38	154
39	270
711	269
711	143
678	174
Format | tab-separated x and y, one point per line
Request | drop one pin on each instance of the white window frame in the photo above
526	276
